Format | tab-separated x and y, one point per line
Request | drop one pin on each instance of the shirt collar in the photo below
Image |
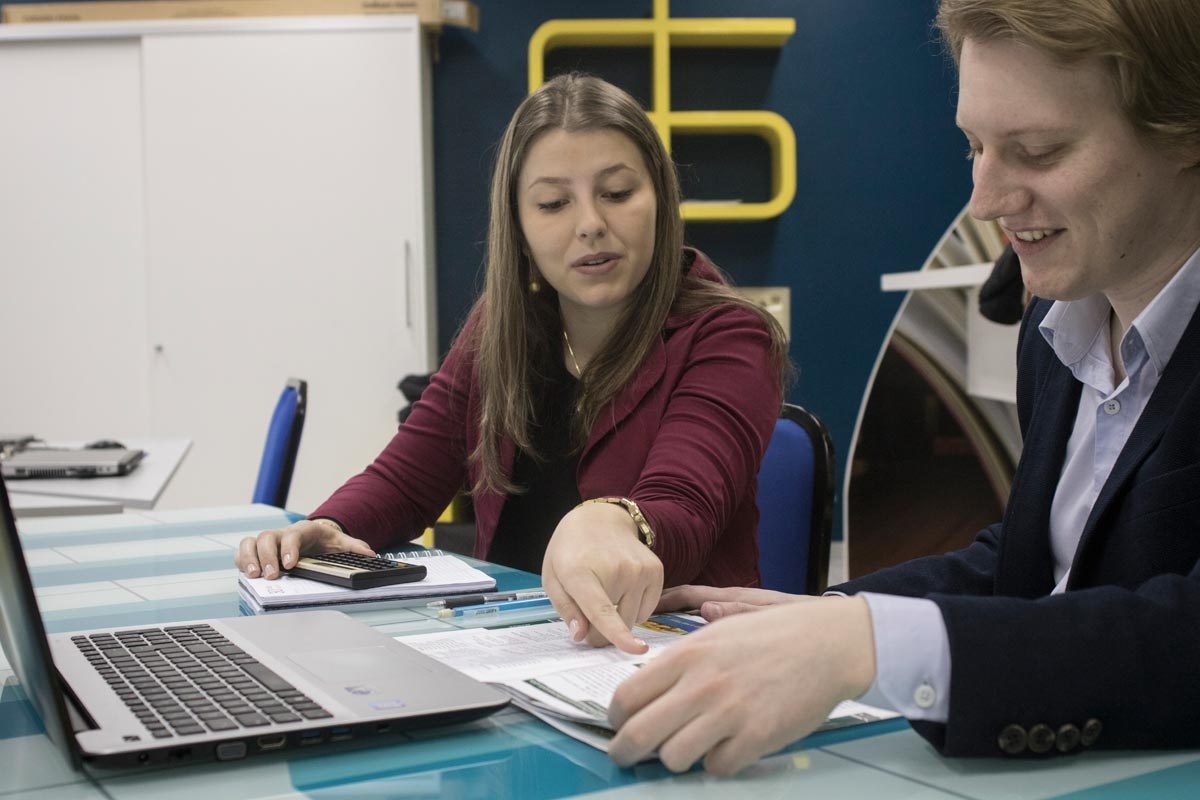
1071	327
1162	323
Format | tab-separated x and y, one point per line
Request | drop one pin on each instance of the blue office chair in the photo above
795	504
283	442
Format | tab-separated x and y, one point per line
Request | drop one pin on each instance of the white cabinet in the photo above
193	211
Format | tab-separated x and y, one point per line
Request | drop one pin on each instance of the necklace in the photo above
571	352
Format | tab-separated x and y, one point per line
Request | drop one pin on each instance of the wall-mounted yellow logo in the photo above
661	33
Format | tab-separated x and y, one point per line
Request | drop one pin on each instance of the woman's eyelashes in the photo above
618	196
558	203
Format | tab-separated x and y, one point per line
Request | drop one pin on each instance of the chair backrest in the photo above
283	442
795	504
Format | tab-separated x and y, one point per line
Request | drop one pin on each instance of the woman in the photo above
1072	624
608	400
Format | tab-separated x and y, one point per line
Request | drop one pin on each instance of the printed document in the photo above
567	684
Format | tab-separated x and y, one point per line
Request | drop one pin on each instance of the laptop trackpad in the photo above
354	663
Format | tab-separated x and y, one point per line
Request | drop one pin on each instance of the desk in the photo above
168	566
25	504
139	489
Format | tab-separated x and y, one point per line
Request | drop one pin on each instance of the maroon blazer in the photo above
684	440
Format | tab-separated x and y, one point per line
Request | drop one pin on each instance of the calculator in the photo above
356	571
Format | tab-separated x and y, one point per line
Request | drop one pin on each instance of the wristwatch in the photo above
645	532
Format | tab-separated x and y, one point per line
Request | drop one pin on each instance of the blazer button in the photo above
1068	738
1091	732
1013	740
1041	738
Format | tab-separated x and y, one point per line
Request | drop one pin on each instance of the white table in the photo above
155	567
139	489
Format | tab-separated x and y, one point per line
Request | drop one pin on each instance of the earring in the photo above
534	286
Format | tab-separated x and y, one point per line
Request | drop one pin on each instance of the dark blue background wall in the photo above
879	161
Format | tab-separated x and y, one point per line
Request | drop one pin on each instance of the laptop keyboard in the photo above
187	679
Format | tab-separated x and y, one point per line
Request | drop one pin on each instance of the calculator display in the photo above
356	571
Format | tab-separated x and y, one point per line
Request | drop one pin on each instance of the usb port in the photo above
340	733
311	737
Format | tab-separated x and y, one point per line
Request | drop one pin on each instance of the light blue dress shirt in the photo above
912	649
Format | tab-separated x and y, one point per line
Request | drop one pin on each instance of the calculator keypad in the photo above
356	571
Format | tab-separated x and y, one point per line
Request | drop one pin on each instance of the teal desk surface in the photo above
168	566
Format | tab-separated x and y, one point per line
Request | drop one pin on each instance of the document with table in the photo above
567	684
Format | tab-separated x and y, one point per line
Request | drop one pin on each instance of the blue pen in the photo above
495	608
480	599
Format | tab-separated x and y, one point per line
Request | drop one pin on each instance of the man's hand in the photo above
745	686
600	577
716	602
263	554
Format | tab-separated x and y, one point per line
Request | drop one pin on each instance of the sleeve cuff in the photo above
912	655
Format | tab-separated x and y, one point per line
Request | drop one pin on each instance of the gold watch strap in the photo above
645	532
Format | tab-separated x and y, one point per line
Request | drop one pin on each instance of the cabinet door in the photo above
72	259
286	197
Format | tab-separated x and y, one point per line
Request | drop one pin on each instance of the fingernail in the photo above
252	570
640	642
573	626
715	611
268	570
287	560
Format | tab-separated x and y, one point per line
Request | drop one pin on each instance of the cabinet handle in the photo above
407	288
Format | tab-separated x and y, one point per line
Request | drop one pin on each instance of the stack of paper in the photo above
570	685
445	575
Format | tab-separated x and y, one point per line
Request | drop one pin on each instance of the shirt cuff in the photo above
912	655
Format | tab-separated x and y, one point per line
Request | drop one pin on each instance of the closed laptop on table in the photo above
220	688
70	463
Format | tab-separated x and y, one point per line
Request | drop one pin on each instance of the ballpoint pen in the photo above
495	608
480	599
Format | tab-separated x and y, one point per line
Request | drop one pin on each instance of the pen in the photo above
480	599
495	608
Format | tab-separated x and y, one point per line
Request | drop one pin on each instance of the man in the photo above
1075	622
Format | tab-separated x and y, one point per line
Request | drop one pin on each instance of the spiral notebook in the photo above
445	575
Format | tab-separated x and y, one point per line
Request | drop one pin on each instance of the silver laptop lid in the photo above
64	463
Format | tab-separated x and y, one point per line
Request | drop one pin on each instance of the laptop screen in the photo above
23	638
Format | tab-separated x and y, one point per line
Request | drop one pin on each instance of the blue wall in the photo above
880	167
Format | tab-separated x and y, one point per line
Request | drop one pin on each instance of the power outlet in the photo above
777	300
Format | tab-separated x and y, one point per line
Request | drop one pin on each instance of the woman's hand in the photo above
716	602
600	577
261	555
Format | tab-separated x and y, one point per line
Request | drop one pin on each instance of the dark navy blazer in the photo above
1120	649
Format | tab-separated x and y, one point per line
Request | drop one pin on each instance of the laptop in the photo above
219	689
70	463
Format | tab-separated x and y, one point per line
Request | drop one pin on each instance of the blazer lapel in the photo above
628	398
1181	373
